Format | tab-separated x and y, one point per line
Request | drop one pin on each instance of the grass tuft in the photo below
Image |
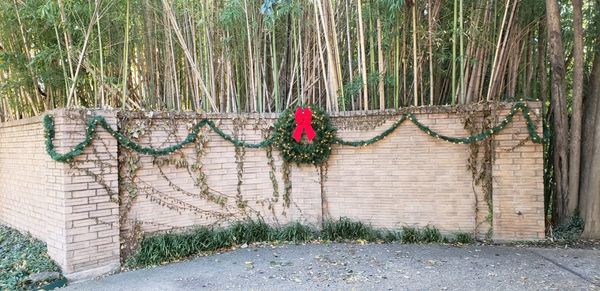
463	238
296	232
347	229
388	236
410	235
250	231
430	234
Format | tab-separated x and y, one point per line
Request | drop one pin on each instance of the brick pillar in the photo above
518	181
88	187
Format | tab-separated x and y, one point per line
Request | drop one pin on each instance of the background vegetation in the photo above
268	55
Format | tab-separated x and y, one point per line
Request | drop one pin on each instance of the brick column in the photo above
88	187
518	181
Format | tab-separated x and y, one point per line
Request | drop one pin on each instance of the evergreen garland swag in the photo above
316	152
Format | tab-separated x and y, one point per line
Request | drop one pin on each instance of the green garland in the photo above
315	153
130	144
519	106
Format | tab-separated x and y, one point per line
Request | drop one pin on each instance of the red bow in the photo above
303	123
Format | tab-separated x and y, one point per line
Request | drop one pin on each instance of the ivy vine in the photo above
314	153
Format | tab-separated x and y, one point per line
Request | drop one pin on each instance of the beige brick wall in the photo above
409	178
91	184
31	197
65	205
158	185
518	183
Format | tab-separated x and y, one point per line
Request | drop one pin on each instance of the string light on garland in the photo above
315	152
319	132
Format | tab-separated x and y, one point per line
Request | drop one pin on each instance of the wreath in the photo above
304	135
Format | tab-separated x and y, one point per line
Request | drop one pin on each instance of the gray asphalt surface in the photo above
369	267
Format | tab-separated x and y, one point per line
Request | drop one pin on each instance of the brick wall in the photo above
518	184
30	185
65	205
409	178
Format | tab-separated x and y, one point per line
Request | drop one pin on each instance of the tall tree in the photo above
589	199
575	140
559	105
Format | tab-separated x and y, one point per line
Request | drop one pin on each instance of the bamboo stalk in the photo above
430	47
496	54
363	57
125	59
462	53
454	48
415	63
381	63
187	53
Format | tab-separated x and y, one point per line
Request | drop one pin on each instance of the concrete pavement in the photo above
369	267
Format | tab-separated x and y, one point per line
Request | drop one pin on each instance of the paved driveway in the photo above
369	267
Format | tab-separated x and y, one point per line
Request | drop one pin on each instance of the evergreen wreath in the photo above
304	151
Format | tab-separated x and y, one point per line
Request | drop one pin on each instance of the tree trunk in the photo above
575	141
559	105
589	198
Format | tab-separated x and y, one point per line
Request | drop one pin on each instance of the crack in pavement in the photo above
556	263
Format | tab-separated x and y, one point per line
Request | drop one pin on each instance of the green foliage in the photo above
463	238
296	232
172	246
251	231
410	235
571	230
389	236
430	234
519	106
316	152
130	144
20	256
168	247
390	5
347	229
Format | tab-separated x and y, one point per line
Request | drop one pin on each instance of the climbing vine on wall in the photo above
299	152
480	163
170	156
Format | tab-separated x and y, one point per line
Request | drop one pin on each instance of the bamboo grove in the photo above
266	55
340	55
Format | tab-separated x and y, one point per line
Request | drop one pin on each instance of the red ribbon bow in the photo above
303	123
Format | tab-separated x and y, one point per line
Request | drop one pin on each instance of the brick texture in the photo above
65	205
409	179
